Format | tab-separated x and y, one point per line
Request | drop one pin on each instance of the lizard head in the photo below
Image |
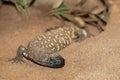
55	61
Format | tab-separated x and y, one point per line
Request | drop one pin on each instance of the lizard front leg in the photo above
20	54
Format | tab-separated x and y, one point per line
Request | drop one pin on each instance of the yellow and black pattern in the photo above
55	40
43	48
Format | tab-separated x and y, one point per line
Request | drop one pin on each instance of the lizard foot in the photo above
16	60
81	35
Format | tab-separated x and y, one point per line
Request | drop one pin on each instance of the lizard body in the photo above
43	48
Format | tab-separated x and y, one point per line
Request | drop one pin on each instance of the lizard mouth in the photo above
55	62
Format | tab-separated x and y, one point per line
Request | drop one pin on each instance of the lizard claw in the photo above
16	60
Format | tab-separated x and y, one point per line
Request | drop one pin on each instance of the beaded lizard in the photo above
43	48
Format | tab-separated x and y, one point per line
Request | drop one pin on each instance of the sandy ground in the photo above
96	58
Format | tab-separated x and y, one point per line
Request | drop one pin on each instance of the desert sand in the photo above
96	58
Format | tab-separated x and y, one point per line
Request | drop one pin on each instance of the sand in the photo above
96	58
